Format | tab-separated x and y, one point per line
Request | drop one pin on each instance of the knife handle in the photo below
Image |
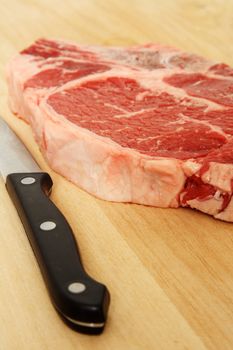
81	301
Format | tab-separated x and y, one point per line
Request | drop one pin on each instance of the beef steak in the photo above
145	124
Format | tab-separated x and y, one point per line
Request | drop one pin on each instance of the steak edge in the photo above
146	124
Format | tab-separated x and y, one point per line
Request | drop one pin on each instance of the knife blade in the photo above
81	301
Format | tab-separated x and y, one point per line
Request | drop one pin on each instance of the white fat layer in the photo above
209	206
226	214
190	167
23	66
219	175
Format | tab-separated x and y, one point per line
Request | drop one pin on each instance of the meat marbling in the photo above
146	124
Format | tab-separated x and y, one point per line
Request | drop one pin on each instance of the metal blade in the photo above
14	157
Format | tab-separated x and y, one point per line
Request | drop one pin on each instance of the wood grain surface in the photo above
170	272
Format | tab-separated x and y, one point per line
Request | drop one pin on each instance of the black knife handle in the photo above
80	300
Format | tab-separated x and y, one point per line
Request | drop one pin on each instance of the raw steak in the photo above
145	124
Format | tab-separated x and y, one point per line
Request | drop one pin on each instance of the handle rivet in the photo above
47	225
76	287
28	180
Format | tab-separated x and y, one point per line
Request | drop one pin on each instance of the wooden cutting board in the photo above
170	272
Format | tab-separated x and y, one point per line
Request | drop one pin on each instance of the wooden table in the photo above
170	272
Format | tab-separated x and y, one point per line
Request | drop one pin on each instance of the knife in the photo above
81	301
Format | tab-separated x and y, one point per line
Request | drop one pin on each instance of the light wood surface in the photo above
170	272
